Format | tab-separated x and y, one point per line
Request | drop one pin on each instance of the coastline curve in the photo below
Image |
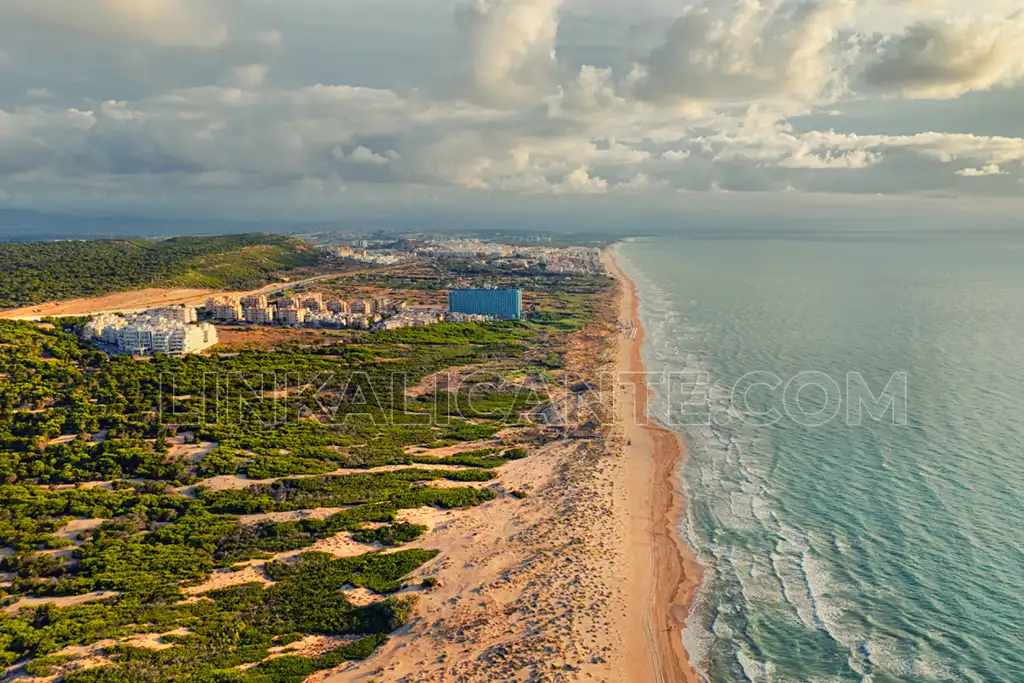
663	563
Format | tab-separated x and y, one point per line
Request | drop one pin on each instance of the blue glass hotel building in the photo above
500	303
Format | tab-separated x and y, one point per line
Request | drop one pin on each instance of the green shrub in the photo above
390	535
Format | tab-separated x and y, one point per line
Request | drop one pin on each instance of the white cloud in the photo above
365	155
711	107
747	51
510	48
223	138
944	59
579	181
675	155
593	90
830	160
991	169
638	184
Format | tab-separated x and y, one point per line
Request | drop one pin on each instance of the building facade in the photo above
225	308
337	306
254	301
258	315
506	304
291	316
179	314
147	333
314	302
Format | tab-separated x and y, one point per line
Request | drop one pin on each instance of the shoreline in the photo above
663	563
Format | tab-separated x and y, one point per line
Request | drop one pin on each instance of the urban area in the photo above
191	329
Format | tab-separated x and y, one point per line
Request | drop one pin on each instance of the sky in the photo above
323	107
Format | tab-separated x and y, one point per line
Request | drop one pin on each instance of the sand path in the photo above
125	302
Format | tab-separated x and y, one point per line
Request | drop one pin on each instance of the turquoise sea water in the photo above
889	550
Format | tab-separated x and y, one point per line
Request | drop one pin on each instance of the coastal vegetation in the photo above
130	488
45	271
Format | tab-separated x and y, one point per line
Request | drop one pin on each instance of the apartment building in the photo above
337	306
500	303
361	306
178	314
314	302
291	316
145	334
224	308
254	301
258	315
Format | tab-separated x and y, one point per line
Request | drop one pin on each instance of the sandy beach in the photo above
663	564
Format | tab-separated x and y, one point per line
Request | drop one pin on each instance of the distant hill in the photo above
48	271
27	225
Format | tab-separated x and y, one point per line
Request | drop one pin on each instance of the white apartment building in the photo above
145	334
178	314
104	328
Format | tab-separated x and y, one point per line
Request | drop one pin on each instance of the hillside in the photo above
47	271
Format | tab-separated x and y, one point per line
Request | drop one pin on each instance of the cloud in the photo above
216	179
186	23
709	107
266	139
247	77
675	155
365	155
944	59
510	49
828	159
579	181
991	169
751	50
593	90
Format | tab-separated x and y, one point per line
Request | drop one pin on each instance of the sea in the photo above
853	408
